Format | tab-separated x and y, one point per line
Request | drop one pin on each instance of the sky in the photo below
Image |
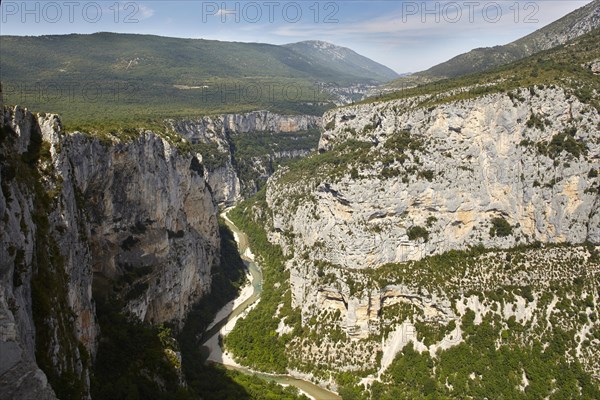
407	36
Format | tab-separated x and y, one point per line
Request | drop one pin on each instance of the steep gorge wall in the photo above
137	216
398	182
451	170
226	177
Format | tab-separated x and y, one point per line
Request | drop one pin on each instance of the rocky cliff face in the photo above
424	181
135	217
397	183
265	121
149	209
224	169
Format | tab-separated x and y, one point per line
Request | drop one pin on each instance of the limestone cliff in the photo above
229	173
398	183
421	181
134	216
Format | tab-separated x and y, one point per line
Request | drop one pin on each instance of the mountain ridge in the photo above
323	52
136	76
570	26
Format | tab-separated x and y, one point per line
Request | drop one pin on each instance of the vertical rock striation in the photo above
78	214
398	182
226	175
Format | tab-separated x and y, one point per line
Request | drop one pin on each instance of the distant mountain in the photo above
179	60
571	26
343	60
166	77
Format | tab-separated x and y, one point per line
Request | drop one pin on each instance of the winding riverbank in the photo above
227	317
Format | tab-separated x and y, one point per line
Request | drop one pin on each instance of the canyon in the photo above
442	241
136	217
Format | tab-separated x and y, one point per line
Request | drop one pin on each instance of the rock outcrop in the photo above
433	180
398	182
77	214
230	176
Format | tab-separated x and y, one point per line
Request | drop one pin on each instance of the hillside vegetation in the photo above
133	78
557	33
570	65
443	244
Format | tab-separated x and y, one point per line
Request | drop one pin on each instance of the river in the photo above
232	311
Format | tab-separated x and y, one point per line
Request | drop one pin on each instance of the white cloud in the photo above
145	12
417	23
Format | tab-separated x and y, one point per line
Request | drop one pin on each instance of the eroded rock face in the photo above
227	184
73	209
148	208
477	161
222	178
452	171
594	66
265	121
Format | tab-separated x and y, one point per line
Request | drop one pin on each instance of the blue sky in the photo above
407	36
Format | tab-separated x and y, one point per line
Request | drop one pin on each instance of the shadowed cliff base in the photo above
212	381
